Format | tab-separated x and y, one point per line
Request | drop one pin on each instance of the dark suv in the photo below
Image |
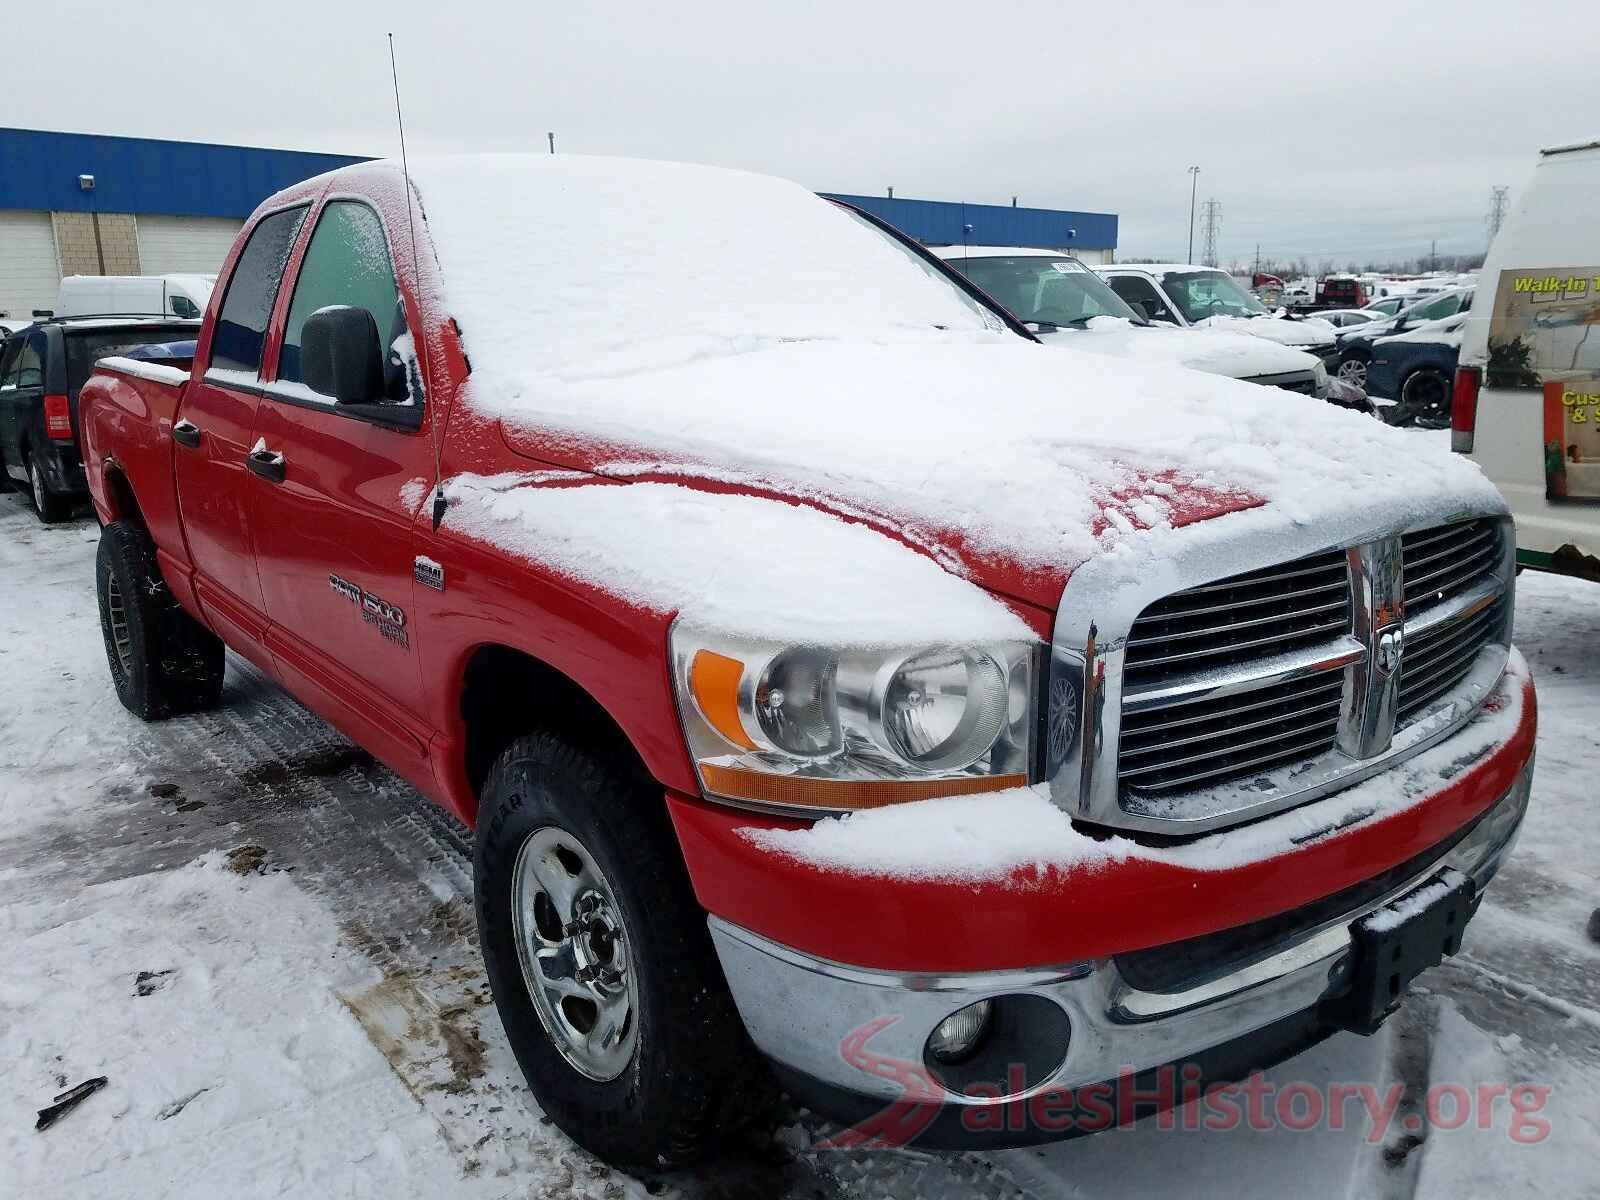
42	366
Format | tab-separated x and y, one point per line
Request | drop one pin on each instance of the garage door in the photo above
28	274
185	245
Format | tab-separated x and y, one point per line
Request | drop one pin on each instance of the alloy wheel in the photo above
572	943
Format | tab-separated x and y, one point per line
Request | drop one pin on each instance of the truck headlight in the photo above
813	728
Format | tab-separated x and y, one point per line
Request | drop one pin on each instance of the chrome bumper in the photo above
801	1010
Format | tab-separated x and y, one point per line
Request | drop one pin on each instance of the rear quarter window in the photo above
241	330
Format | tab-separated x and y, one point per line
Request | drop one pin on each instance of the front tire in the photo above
163	662
1353	368
600	962
51	508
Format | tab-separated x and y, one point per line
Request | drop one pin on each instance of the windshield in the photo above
1202	294
1045	290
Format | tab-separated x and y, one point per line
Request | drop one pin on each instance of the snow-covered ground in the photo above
264	942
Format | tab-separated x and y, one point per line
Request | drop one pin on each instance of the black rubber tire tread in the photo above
52	509
176	664
695	1078
1414	411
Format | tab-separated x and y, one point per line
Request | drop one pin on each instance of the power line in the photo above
1210	226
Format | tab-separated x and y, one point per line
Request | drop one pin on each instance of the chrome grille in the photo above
1184	745
1446	561
1438	659
1248	695
1241	619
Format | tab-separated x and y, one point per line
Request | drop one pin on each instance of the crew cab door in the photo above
333	520
213	433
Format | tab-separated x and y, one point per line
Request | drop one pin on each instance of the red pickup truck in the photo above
842	689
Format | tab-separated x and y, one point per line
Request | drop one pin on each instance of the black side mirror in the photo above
341	356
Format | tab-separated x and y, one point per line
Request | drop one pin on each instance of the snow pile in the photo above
1398	912
209	1003
1017	834
1215	352
738	564
1274	329
1446	331
155	372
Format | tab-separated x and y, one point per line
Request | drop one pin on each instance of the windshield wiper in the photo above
1049	326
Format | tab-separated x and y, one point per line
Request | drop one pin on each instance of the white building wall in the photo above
184	245
29	269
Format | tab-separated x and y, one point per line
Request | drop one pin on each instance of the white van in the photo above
1527	391
134	295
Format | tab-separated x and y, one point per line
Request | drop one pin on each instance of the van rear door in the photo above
1534	338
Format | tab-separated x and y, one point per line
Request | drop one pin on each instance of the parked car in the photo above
1341	291
42	367
1417	369
1355	344
134	295
1068	305
1527	394
1207	298
831	673
1344	318
1390	305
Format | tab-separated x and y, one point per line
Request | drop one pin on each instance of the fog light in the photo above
958	1035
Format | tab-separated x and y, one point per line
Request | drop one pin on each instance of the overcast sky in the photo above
1330	130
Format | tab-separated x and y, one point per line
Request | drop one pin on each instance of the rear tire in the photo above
1425	399
51	507
163	662
571	841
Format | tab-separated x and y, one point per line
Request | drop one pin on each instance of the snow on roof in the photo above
1446	331
1160	268
714	323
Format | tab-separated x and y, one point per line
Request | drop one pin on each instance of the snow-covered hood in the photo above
1215	351
1313	333
1011	463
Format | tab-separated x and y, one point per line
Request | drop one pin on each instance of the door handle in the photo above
187	433
266	463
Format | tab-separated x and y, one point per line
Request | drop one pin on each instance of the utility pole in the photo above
1433	255
1194	181
552	138
1498	199
891	193
1257	270
1211	225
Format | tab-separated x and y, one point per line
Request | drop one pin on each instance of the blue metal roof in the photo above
941	221
40	169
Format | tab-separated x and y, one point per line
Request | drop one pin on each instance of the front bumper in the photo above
1074	1048
1147	963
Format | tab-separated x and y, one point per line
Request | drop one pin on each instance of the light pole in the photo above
1194	181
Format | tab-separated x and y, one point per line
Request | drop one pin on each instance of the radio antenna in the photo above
439	503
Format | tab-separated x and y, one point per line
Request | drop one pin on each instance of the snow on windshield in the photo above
571	266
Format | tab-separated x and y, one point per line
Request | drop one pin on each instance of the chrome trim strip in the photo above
1280	668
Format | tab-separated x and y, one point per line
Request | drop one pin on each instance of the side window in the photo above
347	265
30	367
242	323
1137	291
9	354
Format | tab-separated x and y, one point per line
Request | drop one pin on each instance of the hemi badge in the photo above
428	573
